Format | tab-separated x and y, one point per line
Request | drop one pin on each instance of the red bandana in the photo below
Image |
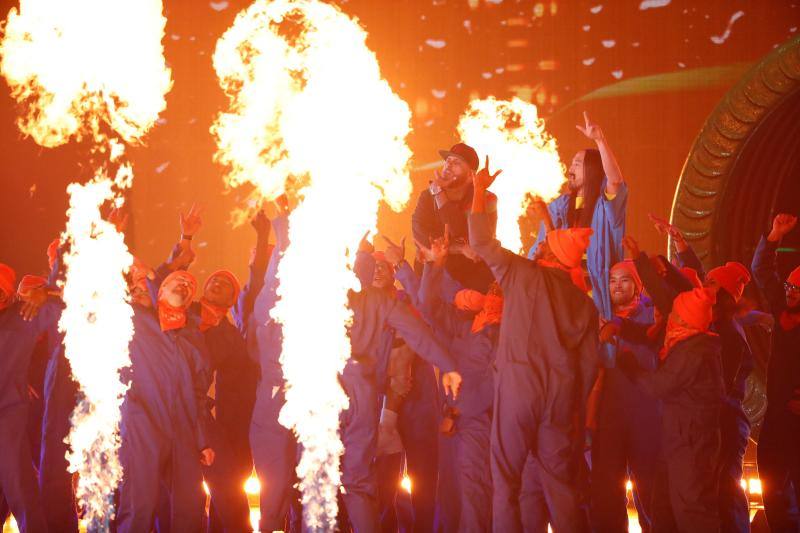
211	315
175	317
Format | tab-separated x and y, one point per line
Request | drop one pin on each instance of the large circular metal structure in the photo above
743	168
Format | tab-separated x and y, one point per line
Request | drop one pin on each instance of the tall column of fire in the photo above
514	137
91	71
308	105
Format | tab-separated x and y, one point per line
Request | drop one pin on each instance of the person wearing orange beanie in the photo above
729	281
624	447
564	249
779	441
690	385
19	336
165	426
547	360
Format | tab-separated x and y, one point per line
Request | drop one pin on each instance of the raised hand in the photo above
631	247
484	178
663	227
781	225
395	254
590	129
191	222
366	246
261	223
32	301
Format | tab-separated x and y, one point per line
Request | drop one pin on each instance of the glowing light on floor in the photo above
252	486
405	484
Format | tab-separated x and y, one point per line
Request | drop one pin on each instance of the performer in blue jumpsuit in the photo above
597	199
373	311
274	446
779	441
690	384
417	416
470	326
18	336
165	424
546	366
626	441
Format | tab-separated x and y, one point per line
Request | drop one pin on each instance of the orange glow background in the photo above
649	75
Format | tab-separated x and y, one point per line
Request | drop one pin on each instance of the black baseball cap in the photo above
464	152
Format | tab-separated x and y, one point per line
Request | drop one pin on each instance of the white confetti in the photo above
586	27
681	64
486	75
499	70
162	167
793	29
161	121
635	44
653	4
609	43
719	39
596	9
439	93
175	37
436	43
588	61
468	26
222	5
616	73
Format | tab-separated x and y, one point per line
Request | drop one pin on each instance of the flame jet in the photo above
310	113
91	71
514	137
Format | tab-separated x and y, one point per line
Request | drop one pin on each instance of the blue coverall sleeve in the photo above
689	259
244	307
765	274
419	337
660	293
409	280
440	315
487	247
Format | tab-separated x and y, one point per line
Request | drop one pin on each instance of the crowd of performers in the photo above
514	391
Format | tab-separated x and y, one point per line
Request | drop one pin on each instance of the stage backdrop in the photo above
648	71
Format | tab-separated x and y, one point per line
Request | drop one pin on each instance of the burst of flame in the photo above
91	71
514	137
308	106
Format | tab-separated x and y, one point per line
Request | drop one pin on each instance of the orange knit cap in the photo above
569	245
694	308
732	277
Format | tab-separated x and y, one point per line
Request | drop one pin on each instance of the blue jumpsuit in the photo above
627	440
546	366
779	441
235	387
60	398
690	385
165	425
418	425
737	364
475	354
274	446
17	473
373	311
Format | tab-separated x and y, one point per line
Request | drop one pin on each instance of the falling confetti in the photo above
719	39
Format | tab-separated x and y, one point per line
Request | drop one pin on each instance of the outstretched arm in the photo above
610	166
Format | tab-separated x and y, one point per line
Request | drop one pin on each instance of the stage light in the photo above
252	486
405	484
